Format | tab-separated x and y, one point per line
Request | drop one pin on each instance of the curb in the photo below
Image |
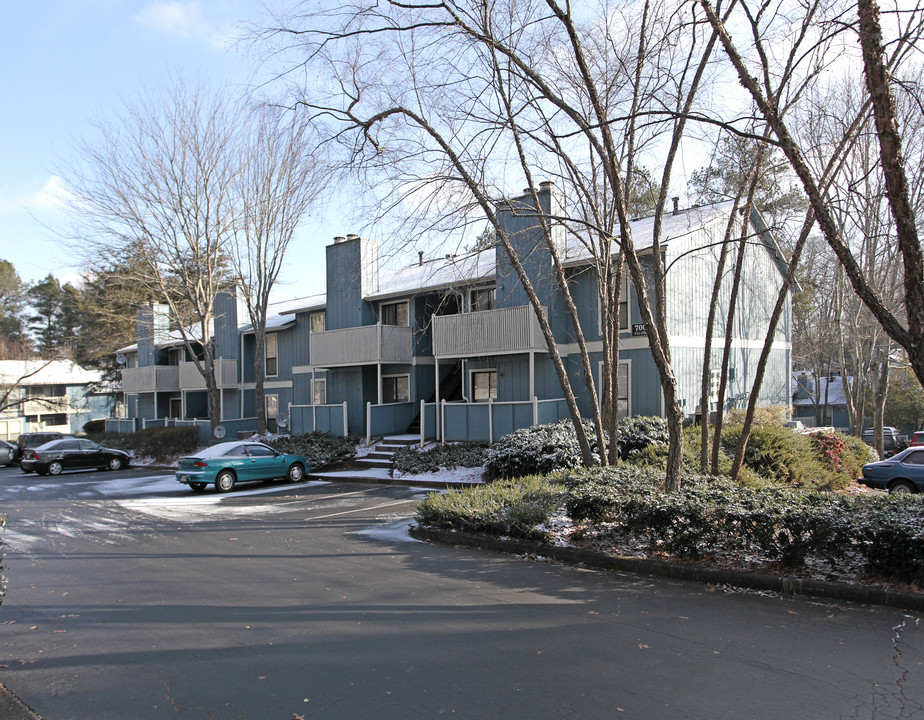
681	571
12	708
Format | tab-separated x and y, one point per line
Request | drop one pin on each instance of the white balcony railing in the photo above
362	345
154	378
225	375
488	332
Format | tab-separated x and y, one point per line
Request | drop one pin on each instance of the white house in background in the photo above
53	395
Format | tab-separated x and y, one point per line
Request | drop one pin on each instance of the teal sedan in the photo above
227	464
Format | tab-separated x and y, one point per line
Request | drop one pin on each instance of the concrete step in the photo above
381	455
368	462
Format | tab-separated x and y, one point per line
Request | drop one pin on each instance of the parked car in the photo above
917	438
229	463
901	473
56	456
7	453
33	440
892	441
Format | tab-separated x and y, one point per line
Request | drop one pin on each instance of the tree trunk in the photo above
260	376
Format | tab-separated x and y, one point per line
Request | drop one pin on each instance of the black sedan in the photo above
55	457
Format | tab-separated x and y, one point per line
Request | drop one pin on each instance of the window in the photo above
318	321
484	385
396	388
624	305
320	392
622	312
88	446
622	397
176	407
915	458
481	299
395	314
624	391
260	451
272	355
272	407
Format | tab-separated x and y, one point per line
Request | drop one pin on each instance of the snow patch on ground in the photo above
471	476
395	531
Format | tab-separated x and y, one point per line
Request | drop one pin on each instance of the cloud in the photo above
53	195
182	20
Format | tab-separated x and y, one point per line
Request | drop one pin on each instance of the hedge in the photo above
707	517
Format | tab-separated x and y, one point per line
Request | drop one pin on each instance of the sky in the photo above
69	62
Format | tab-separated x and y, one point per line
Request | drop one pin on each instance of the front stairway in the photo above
378	465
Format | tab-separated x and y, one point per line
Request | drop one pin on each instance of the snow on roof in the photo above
443	272
673	227
44	372
803	386
309	302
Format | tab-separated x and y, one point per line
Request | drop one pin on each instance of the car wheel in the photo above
902	487
55	468
225	481
115	463
296	473
197	486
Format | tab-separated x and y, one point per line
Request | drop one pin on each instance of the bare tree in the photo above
807	34
155	192
281	177
448	100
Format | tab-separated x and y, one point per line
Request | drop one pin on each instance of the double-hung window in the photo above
320	392
271	348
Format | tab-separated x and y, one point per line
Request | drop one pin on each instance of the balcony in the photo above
488	332
362	346
225	375
154	378
46	405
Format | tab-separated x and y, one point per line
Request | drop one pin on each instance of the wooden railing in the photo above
362	345
488	332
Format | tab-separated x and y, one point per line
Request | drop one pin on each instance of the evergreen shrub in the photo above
319	449
508	508
413	461
537	450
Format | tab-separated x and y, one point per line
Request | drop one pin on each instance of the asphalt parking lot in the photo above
130	597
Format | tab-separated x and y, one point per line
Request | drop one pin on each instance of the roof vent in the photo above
676	204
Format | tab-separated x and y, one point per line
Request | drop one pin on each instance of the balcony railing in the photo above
362	346
225	375
47	405
488	332
154	378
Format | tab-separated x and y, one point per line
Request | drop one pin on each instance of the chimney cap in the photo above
339	239
352	236
546	185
